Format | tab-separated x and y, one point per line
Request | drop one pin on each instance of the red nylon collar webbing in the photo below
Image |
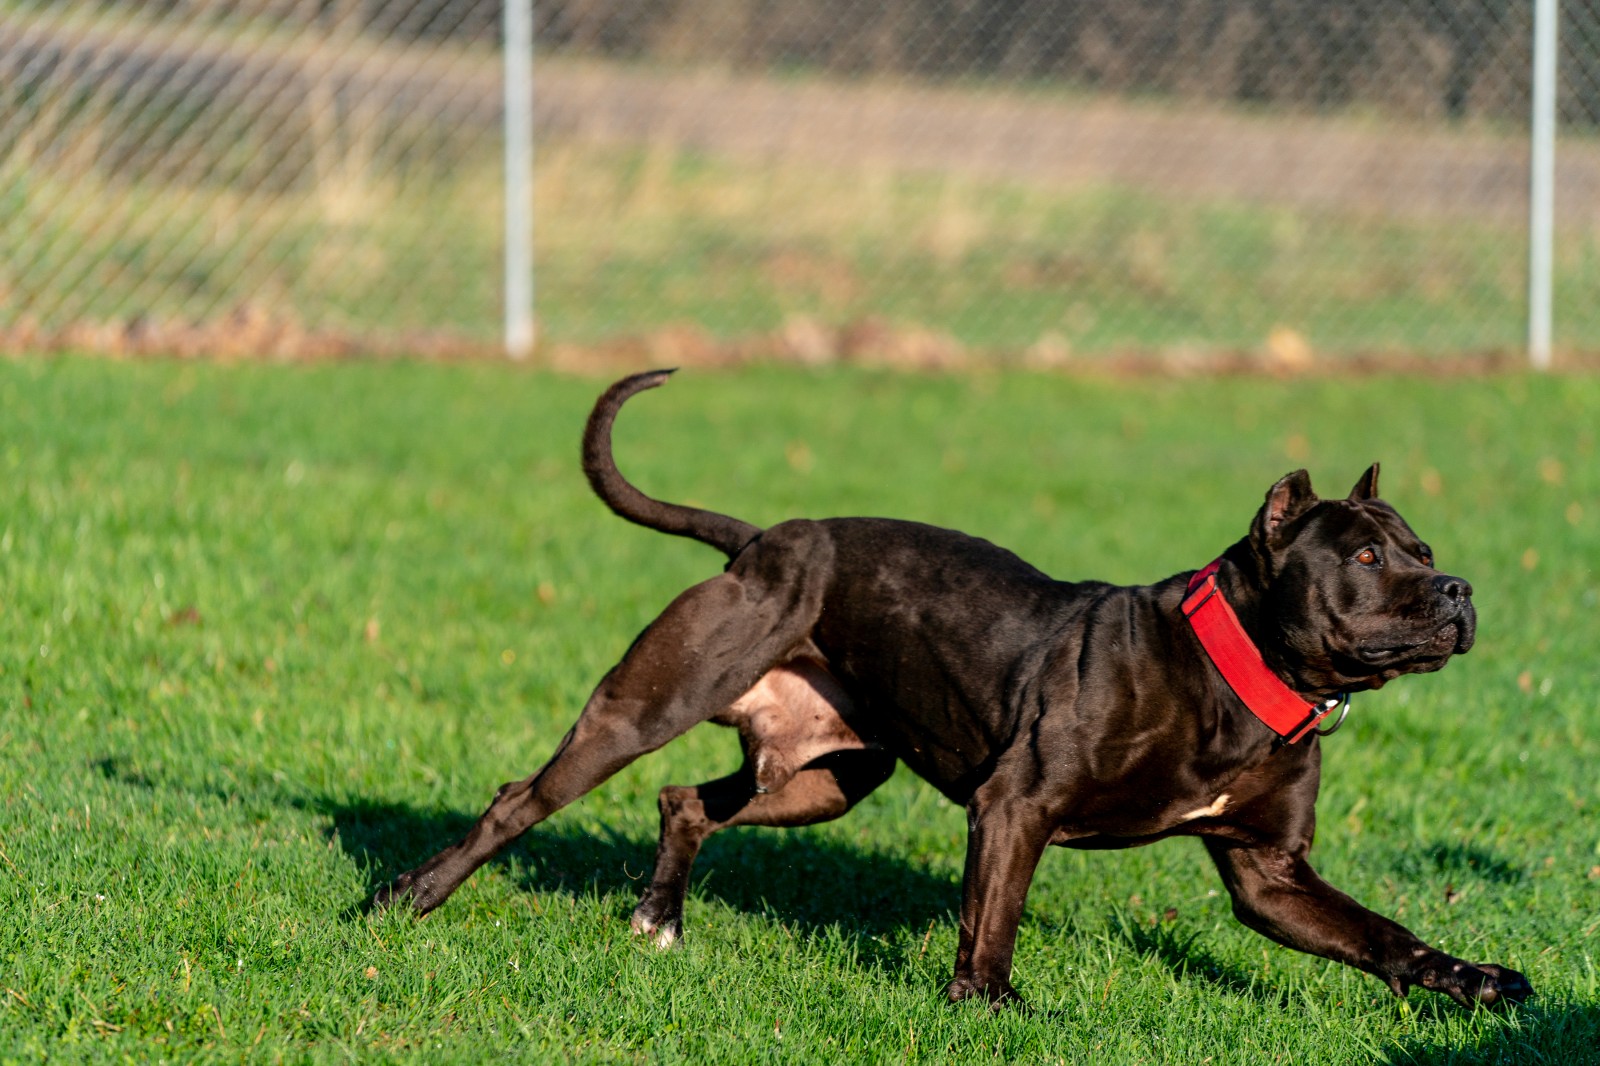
1240	662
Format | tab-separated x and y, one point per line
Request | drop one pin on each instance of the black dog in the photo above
1081	714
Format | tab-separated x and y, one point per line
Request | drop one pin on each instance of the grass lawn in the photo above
269	635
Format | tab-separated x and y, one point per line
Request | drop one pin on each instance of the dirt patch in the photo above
250	333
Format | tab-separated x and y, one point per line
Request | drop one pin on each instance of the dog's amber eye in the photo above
1366	556
1427	560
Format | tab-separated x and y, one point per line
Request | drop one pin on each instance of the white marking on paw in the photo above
666	936
1212	811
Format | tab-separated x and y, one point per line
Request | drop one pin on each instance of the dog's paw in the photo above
414	889
1000	994
662	926
392	894
663	935
1506	986
1485	985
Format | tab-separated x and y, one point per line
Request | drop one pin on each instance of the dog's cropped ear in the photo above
1367	487
1287	500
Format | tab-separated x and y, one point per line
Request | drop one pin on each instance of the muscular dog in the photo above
1081	714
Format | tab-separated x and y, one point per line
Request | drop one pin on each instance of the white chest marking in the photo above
1216	808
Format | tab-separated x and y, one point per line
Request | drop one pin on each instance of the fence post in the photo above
1541	184
518	77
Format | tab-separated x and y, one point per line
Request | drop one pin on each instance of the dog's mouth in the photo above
1449	639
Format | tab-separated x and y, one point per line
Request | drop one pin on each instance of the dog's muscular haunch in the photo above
1081	714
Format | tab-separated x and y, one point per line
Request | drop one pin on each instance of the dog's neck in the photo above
1241	580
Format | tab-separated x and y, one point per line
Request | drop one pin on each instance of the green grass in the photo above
271	635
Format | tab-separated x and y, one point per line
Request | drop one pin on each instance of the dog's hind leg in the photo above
823	790
710	646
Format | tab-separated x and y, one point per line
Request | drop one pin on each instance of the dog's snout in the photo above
1452	588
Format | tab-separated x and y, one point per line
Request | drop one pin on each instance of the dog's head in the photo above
1354	593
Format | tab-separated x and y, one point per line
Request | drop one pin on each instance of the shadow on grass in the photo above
796	876
1185	958
1555	1033
815	883
1459	860
1538	1031
793	876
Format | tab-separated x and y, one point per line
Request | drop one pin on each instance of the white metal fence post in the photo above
518	61
1541	177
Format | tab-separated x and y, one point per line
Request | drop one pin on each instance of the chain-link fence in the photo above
926	180
279	175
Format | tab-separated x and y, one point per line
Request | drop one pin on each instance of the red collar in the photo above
1240	663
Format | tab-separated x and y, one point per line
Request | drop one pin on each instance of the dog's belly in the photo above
796	713
800	711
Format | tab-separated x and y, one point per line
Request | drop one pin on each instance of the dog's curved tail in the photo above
728	535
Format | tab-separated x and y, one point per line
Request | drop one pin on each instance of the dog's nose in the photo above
1452	588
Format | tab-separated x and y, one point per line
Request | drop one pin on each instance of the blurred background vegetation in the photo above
1040	181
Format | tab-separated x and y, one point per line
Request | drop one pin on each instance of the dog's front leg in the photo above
1006	835
1277	893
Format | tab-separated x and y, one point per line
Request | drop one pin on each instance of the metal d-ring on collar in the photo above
1341	701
